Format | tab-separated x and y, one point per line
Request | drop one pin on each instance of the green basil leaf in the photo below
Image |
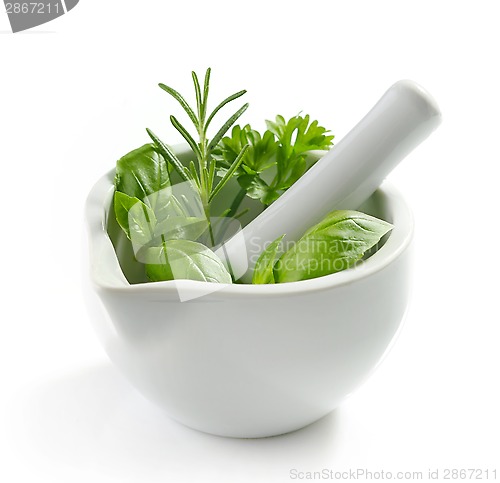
185	260
165	204
136	218
141	173
179	227
264	268
334	244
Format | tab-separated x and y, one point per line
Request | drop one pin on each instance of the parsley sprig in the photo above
274	160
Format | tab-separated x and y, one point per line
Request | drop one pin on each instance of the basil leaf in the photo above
136	218
165	204
185	260
264	268
141	173
334	244
179	227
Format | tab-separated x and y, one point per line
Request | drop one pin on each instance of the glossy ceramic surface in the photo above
248	361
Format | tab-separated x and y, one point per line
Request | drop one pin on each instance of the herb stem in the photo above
235	205
231	213
209	221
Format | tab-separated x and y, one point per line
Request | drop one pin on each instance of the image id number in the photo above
32	7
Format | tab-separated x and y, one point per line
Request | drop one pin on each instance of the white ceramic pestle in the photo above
342	179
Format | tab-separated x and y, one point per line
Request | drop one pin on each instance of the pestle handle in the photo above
342	179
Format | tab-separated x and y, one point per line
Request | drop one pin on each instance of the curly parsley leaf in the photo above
298	135
296	138
258	157
274	160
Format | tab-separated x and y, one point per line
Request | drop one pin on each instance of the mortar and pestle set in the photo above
251	361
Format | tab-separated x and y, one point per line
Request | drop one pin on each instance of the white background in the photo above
77	93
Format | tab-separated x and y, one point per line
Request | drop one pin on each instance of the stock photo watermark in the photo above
173	237
27	15
365	474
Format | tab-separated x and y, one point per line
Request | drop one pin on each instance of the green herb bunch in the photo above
167	224
163	201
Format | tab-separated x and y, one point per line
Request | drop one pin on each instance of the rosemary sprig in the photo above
202	174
